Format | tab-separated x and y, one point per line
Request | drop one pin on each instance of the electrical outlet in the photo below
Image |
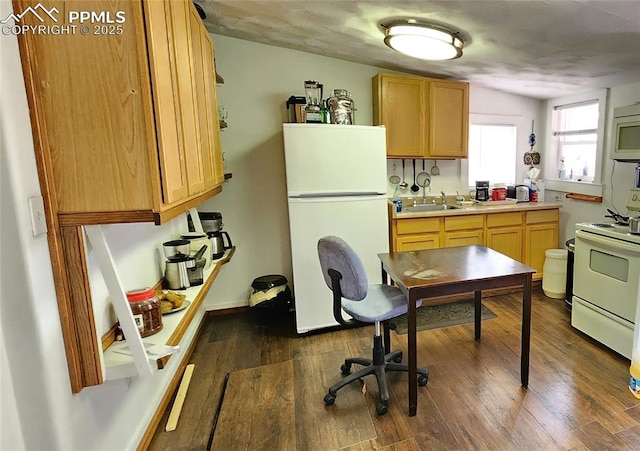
38	221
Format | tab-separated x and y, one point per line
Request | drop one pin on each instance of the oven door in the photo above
606	273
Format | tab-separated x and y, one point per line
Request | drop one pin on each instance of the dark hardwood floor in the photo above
578	397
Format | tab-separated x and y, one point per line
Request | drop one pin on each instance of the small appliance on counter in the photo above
313	110
482	191
178	263
196	241
211	221
518	192
217	243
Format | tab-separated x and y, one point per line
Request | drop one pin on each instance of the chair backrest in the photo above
336	254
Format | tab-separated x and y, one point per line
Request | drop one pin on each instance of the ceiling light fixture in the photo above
424	41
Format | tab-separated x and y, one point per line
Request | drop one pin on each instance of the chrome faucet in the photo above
444	198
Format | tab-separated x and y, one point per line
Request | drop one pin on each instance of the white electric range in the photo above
606	279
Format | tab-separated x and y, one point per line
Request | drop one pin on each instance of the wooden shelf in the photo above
174	326
584	197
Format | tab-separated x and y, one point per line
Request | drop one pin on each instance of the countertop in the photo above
476	209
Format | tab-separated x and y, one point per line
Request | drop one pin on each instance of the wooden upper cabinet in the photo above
165	87
398	104
207	105
211	107
115	117
448	119
425	118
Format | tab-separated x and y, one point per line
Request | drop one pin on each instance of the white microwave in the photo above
625	142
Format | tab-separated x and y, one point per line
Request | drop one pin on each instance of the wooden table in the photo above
439	272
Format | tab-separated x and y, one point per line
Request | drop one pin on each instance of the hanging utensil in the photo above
414	188
403	185
394	179
435	170
424	179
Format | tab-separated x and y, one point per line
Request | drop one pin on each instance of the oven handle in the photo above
613	243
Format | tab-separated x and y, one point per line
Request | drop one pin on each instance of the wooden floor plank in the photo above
577	399
258	410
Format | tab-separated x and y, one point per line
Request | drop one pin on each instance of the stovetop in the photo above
609	229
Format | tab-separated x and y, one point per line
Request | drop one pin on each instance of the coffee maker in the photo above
178	264
212	225
482	191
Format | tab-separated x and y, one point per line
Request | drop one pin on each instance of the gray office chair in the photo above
344	274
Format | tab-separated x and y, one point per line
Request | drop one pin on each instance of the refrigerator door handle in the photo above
341	194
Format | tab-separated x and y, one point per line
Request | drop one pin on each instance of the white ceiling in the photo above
535	48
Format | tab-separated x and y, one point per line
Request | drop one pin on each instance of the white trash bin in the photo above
554	273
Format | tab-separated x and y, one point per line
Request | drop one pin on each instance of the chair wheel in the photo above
382	409
422	380
345	369
329	399
398	358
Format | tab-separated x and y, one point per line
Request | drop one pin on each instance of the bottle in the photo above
562	172
634	378
397	201
634	369
325	113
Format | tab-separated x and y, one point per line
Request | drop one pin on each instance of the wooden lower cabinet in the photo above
538	238
416	234
463	238
521	235
506	240
417	242
463	230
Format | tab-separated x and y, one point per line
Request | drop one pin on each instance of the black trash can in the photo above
571	246
270	299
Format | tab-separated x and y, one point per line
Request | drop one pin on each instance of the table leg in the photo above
413	358
526	331
478	313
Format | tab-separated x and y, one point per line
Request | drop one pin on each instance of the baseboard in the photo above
227	311
166	399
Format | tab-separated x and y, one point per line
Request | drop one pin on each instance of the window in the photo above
492	153
575	132
574	143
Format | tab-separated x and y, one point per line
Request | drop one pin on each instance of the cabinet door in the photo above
205	126
506	240
463	238
181	26
212	108
164	83
539	238
448	119
417	242
398	105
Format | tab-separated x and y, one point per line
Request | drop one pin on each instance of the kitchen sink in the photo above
429	207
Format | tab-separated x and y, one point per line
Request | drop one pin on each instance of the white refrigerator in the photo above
336	185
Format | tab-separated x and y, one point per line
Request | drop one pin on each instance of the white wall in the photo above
38	409
258	81
617	177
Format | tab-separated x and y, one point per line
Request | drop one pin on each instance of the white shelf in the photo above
174	326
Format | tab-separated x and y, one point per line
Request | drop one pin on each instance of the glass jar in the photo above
146	310
341	108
